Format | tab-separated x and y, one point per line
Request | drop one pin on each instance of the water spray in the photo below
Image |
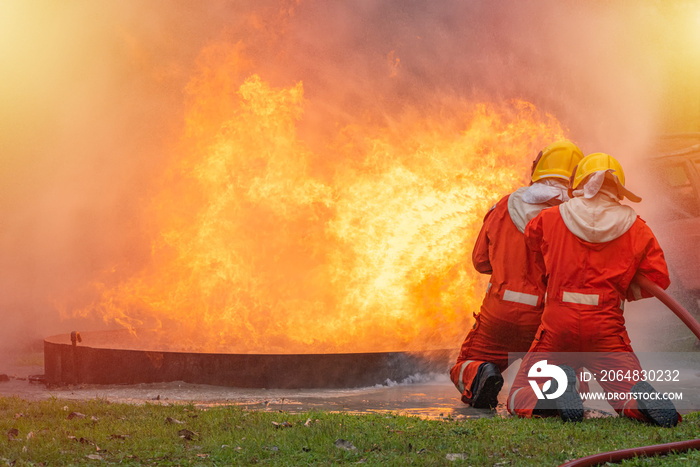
670	302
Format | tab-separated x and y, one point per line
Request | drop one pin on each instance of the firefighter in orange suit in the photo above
591	247
511	309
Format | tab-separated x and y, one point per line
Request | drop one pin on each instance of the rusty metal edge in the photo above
68	363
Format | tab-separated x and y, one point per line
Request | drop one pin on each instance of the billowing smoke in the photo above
93	98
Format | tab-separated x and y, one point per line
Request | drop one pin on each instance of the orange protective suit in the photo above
511	310
587	284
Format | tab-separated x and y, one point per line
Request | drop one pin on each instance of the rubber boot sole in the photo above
657	411
569	405
489	384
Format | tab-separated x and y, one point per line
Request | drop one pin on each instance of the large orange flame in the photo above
265	241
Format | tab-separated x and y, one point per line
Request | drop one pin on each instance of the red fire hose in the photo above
670	302
615	456
680	446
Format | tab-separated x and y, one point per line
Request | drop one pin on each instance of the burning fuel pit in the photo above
118	357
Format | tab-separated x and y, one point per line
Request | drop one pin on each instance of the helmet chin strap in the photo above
586	179
607	182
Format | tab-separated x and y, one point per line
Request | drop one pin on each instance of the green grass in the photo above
45	433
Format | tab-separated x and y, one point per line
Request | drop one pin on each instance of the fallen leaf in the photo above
202	455
73	415
30	435
308	422
457	457
12	434
96	457
187	434
82	440
282	425
343	444
174	421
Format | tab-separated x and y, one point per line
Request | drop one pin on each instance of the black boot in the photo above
486	386
569	405
659	411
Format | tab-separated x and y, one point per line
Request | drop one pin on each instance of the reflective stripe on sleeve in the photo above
461	375
580	298
488	287
520	297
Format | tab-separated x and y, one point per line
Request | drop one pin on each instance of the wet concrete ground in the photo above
655	334
427	396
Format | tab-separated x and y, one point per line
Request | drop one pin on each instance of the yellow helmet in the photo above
597	162
556	161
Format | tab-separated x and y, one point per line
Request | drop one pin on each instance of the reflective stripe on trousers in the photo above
461	375
520	297
584	299
581	298
512	400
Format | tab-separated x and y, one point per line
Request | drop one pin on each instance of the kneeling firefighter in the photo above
591	248
512	307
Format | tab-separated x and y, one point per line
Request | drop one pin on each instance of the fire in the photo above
270	237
